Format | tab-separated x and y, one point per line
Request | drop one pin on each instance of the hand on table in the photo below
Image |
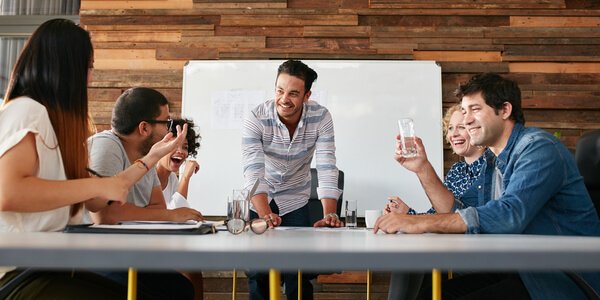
273	220
330	220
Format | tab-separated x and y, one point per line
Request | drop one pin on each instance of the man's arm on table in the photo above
155	211
438	223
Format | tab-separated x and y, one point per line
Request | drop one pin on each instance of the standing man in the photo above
279	140
530	185
140	118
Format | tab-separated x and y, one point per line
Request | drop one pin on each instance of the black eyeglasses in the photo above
168	122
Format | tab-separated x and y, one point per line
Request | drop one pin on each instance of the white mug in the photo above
371	216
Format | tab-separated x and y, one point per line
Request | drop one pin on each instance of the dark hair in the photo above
192	138
298	69
495	90
53	70
134	106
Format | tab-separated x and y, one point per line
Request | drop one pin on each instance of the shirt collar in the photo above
302	117
512	141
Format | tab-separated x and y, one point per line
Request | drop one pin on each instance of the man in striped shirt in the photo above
279	139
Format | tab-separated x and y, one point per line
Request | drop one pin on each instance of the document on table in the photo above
318	228
150	225
147	227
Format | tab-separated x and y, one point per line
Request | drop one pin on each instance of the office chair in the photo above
315	208
315	212
11	285
587	155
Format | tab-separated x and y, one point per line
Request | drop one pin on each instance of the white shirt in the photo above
174	199
17	118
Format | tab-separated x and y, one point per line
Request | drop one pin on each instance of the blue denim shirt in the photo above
543	193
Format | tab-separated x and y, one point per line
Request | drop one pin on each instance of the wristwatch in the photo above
332	215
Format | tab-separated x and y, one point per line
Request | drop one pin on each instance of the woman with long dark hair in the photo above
44	182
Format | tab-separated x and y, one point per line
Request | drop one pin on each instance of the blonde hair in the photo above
446	121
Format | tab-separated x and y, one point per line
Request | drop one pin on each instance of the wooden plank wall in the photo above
550	47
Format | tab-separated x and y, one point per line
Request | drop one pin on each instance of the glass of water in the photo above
407	137
351	214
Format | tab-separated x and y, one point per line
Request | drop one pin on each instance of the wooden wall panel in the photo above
550	47
519	21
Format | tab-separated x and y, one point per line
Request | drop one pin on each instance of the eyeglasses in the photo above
168	122
237	226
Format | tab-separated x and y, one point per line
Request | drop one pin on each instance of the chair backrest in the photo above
314	204
587	155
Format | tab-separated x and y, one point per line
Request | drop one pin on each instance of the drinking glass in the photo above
351	214
241	205
407	137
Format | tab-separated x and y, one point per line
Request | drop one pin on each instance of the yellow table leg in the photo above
234	282
436	284
274	281
132	285
369	280
299	285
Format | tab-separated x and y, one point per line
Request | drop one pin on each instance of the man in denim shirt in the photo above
530	185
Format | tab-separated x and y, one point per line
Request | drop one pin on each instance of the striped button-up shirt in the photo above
283	165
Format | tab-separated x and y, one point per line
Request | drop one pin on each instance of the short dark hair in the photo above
134	106
495	90
298	69
192	137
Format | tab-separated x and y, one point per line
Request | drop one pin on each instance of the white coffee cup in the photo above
371	216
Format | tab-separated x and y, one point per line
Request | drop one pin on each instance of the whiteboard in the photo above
365	98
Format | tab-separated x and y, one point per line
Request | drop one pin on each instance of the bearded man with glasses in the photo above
140	118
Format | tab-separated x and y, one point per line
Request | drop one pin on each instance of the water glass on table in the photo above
238	211
351	214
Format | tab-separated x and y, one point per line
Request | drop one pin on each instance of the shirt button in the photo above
479	187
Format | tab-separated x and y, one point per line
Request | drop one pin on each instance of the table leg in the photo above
436	284
274	282
233	288
369	280
132	285
299	285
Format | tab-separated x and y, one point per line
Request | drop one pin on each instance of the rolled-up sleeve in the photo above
327	171
471	219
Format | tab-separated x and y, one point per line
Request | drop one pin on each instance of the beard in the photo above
147	144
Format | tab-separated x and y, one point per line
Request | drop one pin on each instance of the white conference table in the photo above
308	250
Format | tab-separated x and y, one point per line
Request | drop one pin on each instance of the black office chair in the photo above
315	208
11	285
587	155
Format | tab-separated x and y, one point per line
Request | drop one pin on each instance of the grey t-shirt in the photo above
108	158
